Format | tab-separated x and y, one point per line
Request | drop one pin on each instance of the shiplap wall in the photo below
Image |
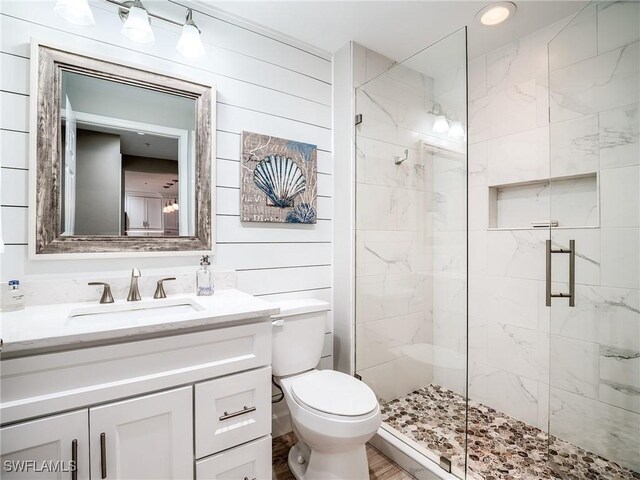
264	84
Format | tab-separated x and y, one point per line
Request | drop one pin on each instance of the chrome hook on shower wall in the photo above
399	160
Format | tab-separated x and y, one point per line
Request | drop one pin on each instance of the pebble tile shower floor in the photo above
500	447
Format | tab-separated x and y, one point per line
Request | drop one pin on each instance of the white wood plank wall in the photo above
264	84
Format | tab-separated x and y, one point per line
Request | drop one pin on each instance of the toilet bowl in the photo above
333	415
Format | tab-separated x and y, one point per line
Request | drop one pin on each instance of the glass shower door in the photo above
411	245
593	253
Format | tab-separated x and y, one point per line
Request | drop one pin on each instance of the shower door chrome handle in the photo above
572	274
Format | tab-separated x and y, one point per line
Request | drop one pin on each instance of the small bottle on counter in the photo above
204	278
12	298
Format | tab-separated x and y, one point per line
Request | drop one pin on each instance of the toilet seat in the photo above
334	393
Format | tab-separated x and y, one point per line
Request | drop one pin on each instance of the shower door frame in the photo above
398	446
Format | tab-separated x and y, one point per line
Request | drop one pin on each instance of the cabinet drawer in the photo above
232	410
251	461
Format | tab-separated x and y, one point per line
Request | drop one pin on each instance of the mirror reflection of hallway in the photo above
123	160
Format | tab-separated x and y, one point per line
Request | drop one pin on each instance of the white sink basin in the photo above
137	310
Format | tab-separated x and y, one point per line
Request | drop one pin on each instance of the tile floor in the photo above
500	447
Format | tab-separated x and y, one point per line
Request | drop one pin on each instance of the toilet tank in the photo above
298	336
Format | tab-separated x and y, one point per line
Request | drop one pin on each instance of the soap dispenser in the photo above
204	279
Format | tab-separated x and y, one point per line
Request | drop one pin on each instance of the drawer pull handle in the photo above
247	478
74	459
244	411
103	455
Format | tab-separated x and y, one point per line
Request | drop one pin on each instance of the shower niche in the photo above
526	205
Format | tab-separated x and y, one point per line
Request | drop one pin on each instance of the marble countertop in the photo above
42	328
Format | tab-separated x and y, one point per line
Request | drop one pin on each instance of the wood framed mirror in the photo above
121	158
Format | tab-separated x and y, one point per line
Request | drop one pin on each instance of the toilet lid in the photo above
335	393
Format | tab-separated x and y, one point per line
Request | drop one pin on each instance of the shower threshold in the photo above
500	447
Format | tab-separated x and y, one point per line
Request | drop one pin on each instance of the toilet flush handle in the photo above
278	323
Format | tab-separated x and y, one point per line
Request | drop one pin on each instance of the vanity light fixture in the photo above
456	130
77	12
137	26
496	13
440	123
190	45
175	205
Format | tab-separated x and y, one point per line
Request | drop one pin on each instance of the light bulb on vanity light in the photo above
77	12
137	26
456	130
175	206
190	44
440	124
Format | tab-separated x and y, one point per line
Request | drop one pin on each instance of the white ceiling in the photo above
148	145
151	183
145	145
395	28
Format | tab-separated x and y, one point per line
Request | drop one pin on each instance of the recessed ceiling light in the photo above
496	13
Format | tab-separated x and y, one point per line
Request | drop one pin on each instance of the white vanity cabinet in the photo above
193	403
144	437
55	441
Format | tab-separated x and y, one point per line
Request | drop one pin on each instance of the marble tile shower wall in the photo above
584	361
393	284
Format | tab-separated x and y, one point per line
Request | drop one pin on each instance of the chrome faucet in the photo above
106	292
134	293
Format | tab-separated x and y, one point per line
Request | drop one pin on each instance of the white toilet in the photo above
333	414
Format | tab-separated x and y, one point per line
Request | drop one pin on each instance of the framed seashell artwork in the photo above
278	180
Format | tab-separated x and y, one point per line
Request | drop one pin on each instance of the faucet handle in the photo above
160	293
106	292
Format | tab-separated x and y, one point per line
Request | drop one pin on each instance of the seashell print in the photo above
303	213
280	178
